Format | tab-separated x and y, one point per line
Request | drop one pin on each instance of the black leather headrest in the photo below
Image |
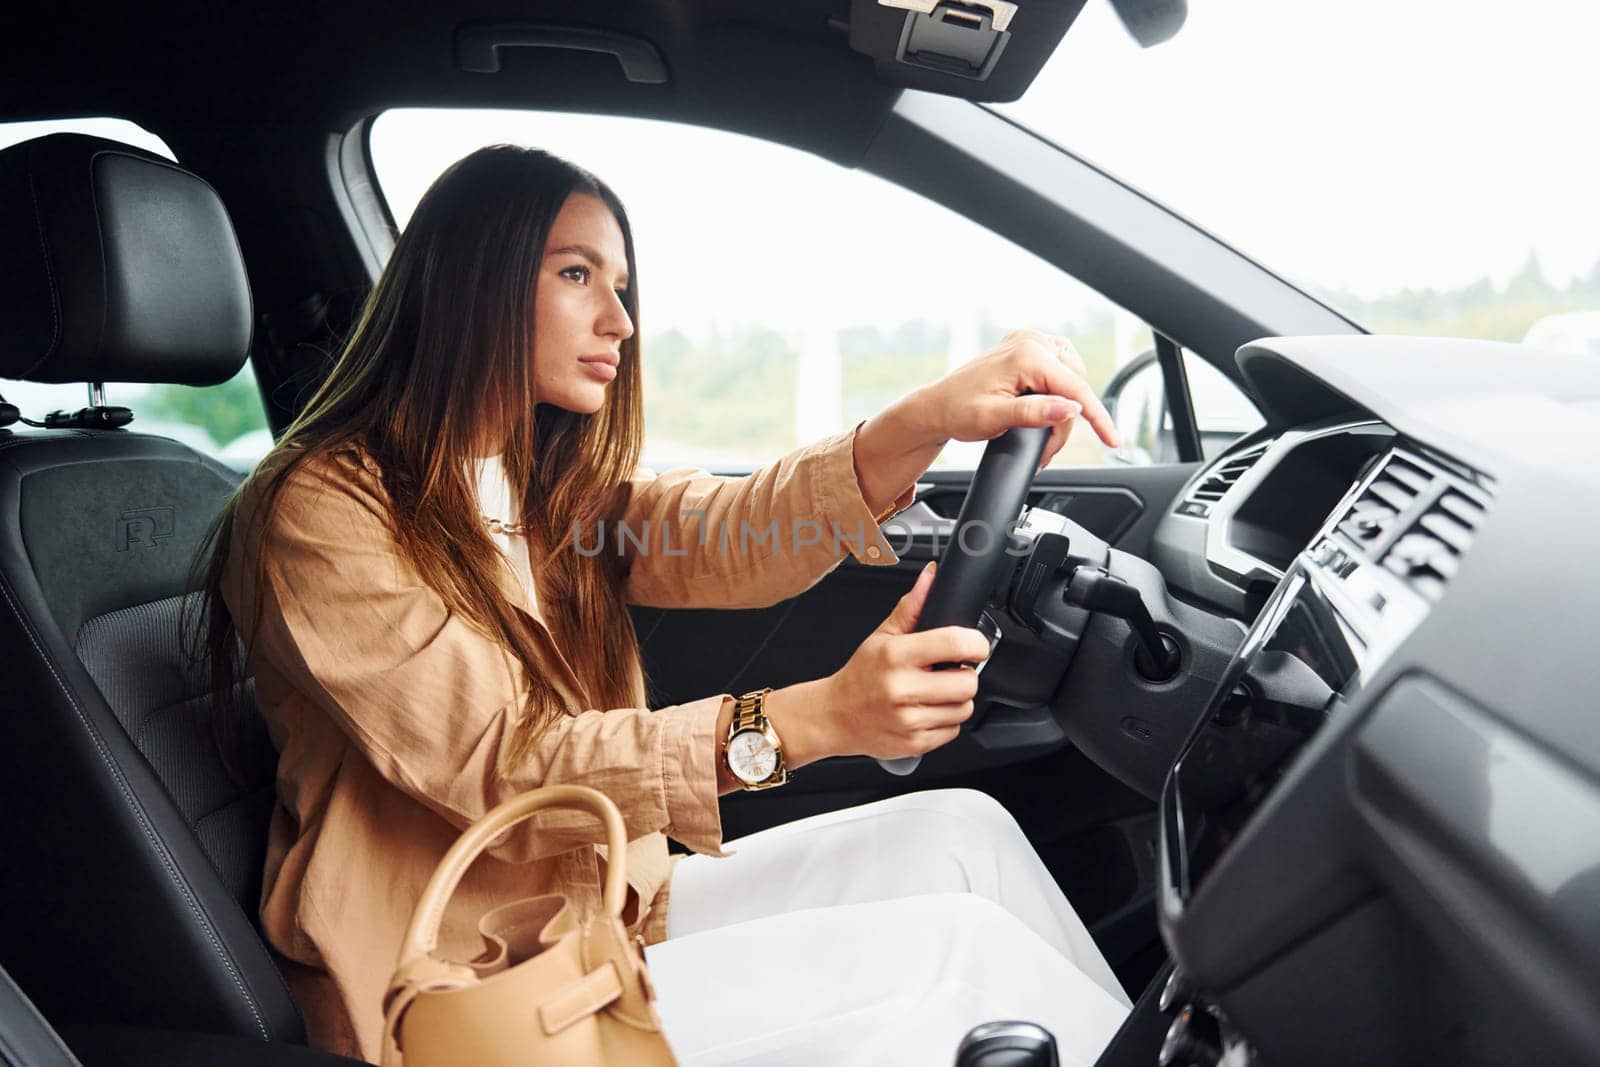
116	265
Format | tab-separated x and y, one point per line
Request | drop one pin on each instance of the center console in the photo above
1368	575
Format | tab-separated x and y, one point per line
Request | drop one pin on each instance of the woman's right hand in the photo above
888	701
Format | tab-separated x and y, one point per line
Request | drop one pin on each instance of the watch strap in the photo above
750	713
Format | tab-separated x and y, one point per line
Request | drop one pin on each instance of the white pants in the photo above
877	935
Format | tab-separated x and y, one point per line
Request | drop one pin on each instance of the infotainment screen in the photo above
1346	601
1300	659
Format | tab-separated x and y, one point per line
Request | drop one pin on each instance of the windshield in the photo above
1424	167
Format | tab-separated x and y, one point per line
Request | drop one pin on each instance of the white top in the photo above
496	501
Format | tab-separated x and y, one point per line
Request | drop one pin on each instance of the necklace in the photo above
510	529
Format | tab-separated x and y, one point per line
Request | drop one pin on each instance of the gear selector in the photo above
1008	1044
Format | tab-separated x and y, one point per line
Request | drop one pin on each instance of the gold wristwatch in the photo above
752	749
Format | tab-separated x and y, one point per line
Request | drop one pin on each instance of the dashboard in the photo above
1363	580
1380	842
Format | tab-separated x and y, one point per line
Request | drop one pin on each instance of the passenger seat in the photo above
132	859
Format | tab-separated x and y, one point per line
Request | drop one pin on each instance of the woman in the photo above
432	628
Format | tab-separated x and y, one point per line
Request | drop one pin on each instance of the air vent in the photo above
1397	486
1429	552
1214	486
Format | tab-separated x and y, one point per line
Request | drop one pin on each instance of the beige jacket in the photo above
388	712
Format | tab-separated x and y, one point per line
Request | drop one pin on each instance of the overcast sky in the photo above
1365	144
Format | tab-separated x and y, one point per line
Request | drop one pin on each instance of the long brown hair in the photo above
444	345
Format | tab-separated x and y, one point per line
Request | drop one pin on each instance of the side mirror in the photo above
1136	397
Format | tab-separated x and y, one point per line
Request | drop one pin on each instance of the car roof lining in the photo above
758	69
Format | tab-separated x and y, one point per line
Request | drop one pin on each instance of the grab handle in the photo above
478	48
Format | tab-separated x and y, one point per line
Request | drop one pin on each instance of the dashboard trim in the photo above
1234	565
1466	805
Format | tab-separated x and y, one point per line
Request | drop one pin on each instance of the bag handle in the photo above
422	935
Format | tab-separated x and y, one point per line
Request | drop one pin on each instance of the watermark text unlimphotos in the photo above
667	537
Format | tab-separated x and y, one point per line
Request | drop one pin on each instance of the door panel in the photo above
1118	504
692	653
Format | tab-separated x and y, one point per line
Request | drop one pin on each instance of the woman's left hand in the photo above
987	397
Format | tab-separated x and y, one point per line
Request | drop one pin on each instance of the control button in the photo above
1193	1040
1415	550
1008	1044
1369	521
1369	527
1193	508
1428	586
1174	992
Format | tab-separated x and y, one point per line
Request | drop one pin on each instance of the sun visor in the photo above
985	50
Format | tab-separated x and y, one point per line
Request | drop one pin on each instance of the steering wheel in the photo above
971	561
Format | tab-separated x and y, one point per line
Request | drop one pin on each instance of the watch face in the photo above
751	756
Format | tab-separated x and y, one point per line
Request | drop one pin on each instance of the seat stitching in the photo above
138	810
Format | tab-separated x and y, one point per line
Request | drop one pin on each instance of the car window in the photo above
783	297
111	129
227	421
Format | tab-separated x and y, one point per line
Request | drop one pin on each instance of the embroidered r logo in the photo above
145	526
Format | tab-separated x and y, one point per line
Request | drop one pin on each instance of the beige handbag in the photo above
577	996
